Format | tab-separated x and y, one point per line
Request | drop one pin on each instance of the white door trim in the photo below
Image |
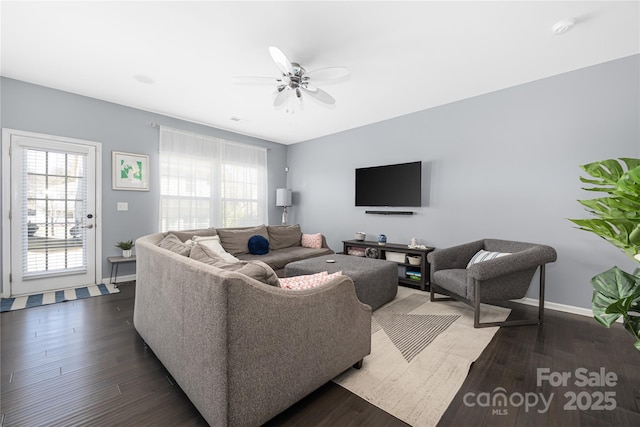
6	200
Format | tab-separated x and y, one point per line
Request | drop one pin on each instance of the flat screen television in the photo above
390	185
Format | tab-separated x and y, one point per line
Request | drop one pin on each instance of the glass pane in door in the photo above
54	212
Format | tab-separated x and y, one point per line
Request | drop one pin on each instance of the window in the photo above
54	193
210	182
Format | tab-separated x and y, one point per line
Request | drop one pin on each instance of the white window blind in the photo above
54	205
210	182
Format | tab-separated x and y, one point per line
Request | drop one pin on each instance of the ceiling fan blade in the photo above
284	65
281	97
255	80
320	95
329	73
308	86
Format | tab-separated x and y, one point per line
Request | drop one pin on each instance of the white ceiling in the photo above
403	56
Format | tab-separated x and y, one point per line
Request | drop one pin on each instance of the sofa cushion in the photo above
236	240
313	241
284	236
278	259
213	243
308	281
255	269
483	255
454	280
185	235
174	244
258	245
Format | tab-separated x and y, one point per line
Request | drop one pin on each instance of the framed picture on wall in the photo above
129	171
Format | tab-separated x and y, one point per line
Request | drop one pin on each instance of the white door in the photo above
52	213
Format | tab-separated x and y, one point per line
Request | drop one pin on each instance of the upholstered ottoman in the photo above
376	280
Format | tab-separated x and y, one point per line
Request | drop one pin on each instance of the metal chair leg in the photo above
433	298
538	321
541	298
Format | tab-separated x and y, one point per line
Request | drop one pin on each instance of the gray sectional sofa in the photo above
242	350
284	243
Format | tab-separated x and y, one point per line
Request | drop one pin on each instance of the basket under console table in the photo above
408	274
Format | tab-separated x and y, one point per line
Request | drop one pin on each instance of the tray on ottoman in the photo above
376	280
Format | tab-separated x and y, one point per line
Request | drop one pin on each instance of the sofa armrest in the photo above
181	313
284	344
324	242
519	261
455	257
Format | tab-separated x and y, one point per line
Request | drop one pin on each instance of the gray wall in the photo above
503	165
39	109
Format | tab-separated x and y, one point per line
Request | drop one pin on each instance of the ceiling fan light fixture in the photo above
563	26
295	82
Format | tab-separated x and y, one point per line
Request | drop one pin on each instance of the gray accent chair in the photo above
500	279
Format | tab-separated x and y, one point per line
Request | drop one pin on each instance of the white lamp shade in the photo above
283	197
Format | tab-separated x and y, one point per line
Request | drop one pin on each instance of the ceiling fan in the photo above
296	81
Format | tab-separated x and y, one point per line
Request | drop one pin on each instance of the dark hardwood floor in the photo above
565	344
82	363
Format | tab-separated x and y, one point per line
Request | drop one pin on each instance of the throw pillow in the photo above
257	270
258	245
213	243
189	234
201	253
313	241
236	240
308	281
483	255
284	236
174	244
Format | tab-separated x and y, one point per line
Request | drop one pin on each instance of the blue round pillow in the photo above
258	245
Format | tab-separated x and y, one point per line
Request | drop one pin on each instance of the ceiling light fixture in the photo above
563	26
296	81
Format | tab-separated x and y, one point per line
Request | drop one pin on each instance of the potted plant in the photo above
126	247
617	220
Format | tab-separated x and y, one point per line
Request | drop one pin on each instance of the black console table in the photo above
420	273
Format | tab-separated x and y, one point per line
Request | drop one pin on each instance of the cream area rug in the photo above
421	352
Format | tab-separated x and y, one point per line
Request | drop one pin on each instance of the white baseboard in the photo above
560	307
557	307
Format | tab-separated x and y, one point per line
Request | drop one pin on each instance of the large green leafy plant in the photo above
617	220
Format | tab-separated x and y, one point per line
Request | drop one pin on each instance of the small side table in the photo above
115	261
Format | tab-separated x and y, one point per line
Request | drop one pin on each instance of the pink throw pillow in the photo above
313	241
333	275
307	281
